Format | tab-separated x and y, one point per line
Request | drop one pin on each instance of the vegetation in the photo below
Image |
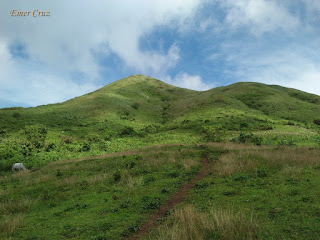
253	193
98	199
138	111
100	164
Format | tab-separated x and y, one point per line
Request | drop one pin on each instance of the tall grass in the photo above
233	162
286	158
9	224
188	223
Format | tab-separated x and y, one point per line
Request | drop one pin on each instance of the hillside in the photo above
233	162
146	100
138	111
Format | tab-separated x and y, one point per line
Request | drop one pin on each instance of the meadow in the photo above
100	165
252	193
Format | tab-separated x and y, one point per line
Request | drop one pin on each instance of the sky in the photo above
194	44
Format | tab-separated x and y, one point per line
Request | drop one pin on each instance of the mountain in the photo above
139	111
146	100
156	149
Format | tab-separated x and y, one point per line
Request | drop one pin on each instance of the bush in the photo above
16	115
66	140
6	165
94	138
110	134
151	128
249	138
316	121
117	176
128	131
85	147
36	135
215	135
135	106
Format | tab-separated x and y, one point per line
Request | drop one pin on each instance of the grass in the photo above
189	223
139	111
106	198
149	133
254	193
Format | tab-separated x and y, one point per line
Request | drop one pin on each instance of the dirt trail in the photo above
177	198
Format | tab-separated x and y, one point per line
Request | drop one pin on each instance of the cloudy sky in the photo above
196	44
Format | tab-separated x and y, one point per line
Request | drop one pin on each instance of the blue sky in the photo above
196	44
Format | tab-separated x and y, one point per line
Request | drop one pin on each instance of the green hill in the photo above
103	164
139	111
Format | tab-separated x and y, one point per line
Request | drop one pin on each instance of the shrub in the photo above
66	140
117	176
135	106
316	121
110	134
128	131
50	147
85	147
94	138
16	115
6	165
249	138
151	128
215	135
36	135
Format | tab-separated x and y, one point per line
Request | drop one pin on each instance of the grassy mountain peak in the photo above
139	110
126	149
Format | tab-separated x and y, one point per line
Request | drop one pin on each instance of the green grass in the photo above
274	191
94	199
138	111
263	188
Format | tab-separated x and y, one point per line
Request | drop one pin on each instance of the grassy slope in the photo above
116	194
143	100
97	199
139	111
253	193
137	98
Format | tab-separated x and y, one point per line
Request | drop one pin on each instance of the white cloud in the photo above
286	55
66	41
290	67
184	80
22	82
259	16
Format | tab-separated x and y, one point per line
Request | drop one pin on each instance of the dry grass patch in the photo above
292	172
286	156
4	192
141	151
97	178
69	181
20	174
8	224
190	224
189	162
290	158
237	146
132	182
233	162
16	206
